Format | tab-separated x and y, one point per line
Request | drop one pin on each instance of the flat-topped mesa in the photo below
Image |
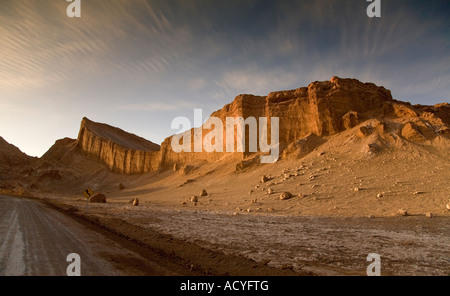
120	151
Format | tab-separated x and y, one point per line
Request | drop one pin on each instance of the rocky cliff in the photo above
120	151
322	109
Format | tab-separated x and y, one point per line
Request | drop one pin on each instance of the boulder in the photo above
98	198
402	212
264	179
286	196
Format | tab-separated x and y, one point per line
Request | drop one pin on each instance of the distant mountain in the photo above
10	155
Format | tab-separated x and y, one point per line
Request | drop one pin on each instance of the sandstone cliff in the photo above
320	110
120	151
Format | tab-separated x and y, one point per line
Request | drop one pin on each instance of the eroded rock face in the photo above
120	151
320	110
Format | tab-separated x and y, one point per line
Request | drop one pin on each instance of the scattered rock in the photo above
121	187
238	209
429	215
270	210
249	210
286	196
417	193
194	198
136	202
98	198
402	212
250	192
264	179
448	207
380	195
255	200
356	189
204	193
269	191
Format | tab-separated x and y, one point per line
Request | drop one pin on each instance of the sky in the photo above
138	64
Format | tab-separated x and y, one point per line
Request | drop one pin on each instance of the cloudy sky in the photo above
137	64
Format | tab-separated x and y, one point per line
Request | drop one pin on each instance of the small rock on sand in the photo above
194	198
264	179
204	193
429	215
136	202
286	196
402	212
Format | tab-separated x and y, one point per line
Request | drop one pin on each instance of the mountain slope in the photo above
10	155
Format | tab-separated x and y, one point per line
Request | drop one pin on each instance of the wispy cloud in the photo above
256	81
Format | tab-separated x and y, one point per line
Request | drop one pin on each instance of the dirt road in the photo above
36	240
